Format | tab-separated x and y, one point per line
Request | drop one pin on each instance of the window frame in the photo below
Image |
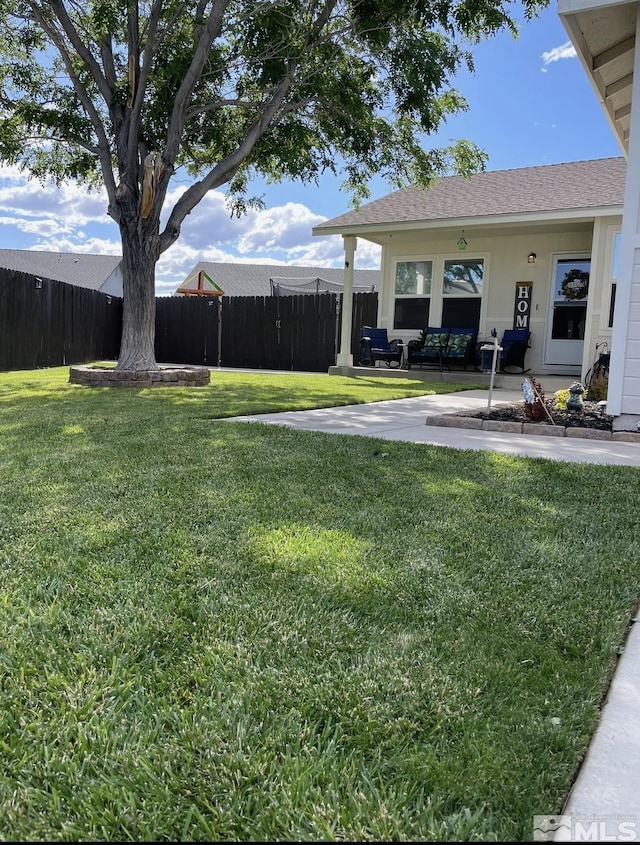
460	294
437	295
405	297
609	279
614	268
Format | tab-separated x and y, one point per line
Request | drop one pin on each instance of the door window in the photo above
570	299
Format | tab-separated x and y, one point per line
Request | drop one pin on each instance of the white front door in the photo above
567	311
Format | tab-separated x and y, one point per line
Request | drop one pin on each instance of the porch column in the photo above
623	394
345	358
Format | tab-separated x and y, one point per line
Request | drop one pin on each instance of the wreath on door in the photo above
575	284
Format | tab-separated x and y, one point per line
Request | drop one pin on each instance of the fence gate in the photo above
258	332
187	330
279	332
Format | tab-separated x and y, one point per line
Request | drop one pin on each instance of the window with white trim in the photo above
438	292
462	284
412	294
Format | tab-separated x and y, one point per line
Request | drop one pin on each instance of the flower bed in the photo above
591	417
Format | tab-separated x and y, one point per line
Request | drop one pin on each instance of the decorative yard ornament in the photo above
535	407
575	401
527	391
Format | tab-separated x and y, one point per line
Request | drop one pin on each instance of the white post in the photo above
485	348
345	357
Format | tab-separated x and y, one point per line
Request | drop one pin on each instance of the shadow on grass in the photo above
229	394
255	608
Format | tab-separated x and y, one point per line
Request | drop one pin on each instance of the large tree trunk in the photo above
139	257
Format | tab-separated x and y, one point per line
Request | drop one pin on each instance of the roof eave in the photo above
576	214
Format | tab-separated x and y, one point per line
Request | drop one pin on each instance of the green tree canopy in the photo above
127	94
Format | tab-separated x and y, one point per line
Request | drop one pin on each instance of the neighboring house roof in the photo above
80	269
544	191
255	279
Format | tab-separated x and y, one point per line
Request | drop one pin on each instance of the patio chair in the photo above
428	348
460	347
514	343
376	346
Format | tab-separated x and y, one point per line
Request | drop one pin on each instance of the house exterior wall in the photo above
113	285
505	263
623	397
617	86
599	329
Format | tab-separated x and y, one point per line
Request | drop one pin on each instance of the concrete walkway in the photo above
604	804
405	419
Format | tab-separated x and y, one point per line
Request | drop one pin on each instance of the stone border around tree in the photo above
96	376
540	429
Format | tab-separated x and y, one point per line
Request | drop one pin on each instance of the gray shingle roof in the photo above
253	279
80	269
529	190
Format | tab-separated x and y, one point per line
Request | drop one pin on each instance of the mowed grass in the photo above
213	630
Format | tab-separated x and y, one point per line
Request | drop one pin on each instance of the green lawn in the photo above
221	631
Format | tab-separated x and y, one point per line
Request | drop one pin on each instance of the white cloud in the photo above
280	229
11	173
210	223
71	202
92	246
329	252
70	218
565	51
179	260
278	235
41	228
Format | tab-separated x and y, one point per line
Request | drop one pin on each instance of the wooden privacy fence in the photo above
262	332
45	323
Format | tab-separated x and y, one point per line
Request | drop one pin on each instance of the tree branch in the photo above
210	32
81	92
106	52
79	46
225	169
153	39
249	105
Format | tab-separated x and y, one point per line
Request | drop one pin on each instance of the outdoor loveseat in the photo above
443	346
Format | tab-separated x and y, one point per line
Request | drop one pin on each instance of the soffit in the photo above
474	231
604	36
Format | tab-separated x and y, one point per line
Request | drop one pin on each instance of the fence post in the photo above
219	298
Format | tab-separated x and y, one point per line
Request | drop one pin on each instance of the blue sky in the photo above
530	103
